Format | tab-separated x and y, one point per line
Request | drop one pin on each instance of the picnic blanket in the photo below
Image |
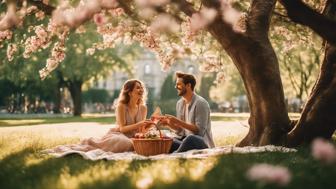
99	154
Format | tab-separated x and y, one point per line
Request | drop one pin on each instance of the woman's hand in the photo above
145	125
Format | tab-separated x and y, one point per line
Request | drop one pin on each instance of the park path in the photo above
87	129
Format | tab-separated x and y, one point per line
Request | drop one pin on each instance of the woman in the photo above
131	114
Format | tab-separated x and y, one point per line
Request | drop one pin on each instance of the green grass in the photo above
17	121
22	165
106	119
5	122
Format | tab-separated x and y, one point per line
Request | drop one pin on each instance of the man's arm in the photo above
177	124
202	116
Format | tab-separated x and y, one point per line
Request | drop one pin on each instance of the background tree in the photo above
79	66
168	96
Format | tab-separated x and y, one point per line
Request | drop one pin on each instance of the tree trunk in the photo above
269	121
258	66
318	116
57	107
60	84
75	88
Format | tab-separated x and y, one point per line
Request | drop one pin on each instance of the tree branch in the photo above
221	30
259	18
47	9
185	7
300	13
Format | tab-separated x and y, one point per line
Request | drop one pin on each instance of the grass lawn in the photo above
104	119
17	121
23	166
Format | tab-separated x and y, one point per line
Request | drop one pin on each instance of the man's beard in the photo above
181	92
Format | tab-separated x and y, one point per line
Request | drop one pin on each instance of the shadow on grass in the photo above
229	172
15	173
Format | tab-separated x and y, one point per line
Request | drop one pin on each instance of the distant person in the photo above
192	122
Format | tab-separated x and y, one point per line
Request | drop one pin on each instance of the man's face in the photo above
180	87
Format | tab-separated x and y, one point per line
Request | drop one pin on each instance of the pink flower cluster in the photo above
147	39
73	17
116	11
230	15
57	56
33	43
4	35
266	173
202	19
11	49
210	65
111	36
99	19
189	36
164	23
324	151
40	15
149	3
220	78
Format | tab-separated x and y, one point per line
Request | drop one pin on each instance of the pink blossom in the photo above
7	34
58	17
39	15
209	14
146	3
323	150
93	6
269	174
108	4
57	55
33	43
99	19
117	12
12	48
41	32
202	19
220	78
90	51
31	9
230	15
147	13
196	22
164	23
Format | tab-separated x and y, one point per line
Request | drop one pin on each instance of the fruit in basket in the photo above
139	135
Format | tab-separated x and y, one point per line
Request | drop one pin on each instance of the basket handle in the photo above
157	128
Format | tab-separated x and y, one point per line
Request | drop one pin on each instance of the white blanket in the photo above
100	154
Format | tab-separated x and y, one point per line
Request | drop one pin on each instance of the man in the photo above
192	121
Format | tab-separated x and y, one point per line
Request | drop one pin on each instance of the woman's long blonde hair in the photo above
128	87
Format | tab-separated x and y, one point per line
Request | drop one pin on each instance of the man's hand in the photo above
171	121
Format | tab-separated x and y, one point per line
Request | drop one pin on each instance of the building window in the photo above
148	69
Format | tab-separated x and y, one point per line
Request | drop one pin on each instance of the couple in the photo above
192	122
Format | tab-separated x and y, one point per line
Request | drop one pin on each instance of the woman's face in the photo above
137	91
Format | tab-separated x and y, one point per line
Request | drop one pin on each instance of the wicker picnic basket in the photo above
149	147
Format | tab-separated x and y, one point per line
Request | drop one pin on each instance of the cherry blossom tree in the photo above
206	31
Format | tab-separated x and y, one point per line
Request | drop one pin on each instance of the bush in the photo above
96	95
167	106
